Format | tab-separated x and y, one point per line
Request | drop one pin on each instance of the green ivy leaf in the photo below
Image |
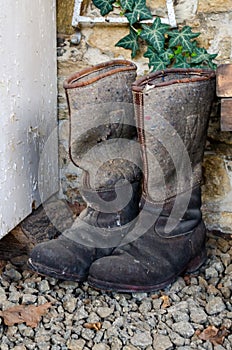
154	34
140	12
178	50
167	55
130	42
181	62
212	65
105	6
156	58
195	43
166	47
183	38
201	55
127	4
150	52
157	62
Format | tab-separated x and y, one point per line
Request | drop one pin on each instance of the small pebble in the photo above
13	275
142	339
184	328
75	344
104	311
162	342
215	305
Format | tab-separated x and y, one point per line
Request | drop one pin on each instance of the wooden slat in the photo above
224	80
226	114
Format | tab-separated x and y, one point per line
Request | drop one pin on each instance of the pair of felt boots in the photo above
140	144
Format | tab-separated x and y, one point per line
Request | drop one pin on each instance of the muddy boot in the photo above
172	111
103	139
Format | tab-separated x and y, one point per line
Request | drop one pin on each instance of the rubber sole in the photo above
62	275
191	267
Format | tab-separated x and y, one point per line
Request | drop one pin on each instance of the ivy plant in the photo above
166	46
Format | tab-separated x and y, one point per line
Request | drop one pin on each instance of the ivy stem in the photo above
136	30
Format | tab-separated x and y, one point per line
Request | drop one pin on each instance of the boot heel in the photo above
196	262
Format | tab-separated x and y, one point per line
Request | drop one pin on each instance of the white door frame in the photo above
28	108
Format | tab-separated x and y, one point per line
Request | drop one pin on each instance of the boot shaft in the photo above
172	111
100	106
103	141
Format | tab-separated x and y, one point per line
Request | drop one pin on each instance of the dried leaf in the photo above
29	314
208	333
214	335
95	326
166	302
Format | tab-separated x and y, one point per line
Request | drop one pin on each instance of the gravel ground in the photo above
193	313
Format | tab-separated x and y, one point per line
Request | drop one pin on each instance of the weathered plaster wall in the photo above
213	19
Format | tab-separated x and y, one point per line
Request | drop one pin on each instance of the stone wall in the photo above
97	44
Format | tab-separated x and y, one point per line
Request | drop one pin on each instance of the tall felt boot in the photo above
172	110
102	142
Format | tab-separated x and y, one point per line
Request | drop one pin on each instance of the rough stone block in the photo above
224	80
105	37
218	221
215	6
185	10
217	193
216	178
226	114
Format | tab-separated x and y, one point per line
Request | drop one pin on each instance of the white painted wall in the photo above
28	102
